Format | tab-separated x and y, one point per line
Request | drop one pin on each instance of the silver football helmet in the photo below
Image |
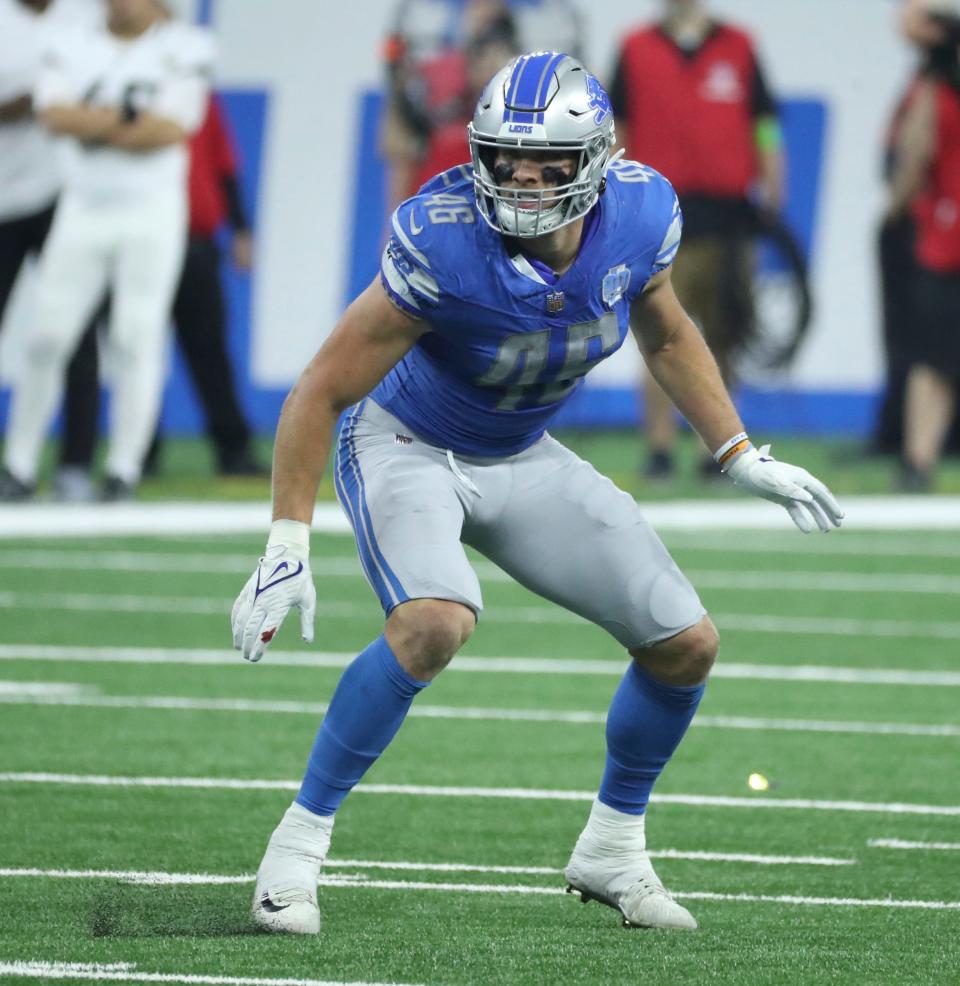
544	100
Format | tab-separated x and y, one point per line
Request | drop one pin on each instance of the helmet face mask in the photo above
548	105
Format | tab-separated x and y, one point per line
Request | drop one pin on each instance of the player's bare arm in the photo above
370	338
147	132
86	123
681	363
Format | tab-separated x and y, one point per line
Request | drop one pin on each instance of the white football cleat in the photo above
628	884
285	899
610	865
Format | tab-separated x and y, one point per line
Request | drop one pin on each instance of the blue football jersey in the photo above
506	347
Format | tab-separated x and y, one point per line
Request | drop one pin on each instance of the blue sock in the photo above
366	711
646	721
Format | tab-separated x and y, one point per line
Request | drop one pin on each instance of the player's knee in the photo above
685	659
426	633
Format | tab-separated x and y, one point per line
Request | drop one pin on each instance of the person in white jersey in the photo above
125	94
29	179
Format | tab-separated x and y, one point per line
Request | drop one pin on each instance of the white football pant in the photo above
135	250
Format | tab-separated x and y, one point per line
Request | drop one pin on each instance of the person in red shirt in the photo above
431	99
199	315
926	180
691	101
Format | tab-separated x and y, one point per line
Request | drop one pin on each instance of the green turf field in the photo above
839	681
186	467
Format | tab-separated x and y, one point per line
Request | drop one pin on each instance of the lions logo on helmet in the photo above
542	101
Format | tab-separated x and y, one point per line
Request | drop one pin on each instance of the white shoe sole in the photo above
296	918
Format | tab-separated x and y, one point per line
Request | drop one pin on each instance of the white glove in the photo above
282	580
805	498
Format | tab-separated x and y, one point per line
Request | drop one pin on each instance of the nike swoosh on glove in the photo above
805	498
282	580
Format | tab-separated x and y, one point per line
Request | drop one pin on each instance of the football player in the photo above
501	286
126	94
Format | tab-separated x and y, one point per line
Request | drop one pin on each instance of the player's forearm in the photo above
15	110
688	373
86	123
146	133
302	448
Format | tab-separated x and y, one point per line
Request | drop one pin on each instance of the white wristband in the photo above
291	534
732	449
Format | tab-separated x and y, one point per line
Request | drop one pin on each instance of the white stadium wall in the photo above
309	65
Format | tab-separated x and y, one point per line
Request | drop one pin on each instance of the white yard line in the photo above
928	905
75	695
510	793
155	877
933	543
125	972
547	615
472	665
207	518
349	568
528	889
18	690
814	581
905	844
838	544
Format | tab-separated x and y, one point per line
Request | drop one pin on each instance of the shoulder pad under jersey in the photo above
648	213
432	240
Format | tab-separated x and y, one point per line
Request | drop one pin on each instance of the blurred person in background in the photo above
29	178
29	172
896	245
200	320
126	94
926	179
692	101
431	95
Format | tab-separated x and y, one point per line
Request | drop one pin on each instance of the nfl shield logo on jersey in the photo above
555	302
615	283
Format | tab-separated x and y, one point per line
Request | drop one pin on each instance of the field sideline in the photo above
144	765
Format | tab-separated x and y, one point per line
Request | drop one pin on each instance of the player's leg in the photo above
73	482
147	271
72	277
14	247
199	314
611	568
931	398
403	504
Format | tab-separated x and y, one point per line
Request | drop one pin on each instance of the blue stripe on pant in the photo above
349	482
